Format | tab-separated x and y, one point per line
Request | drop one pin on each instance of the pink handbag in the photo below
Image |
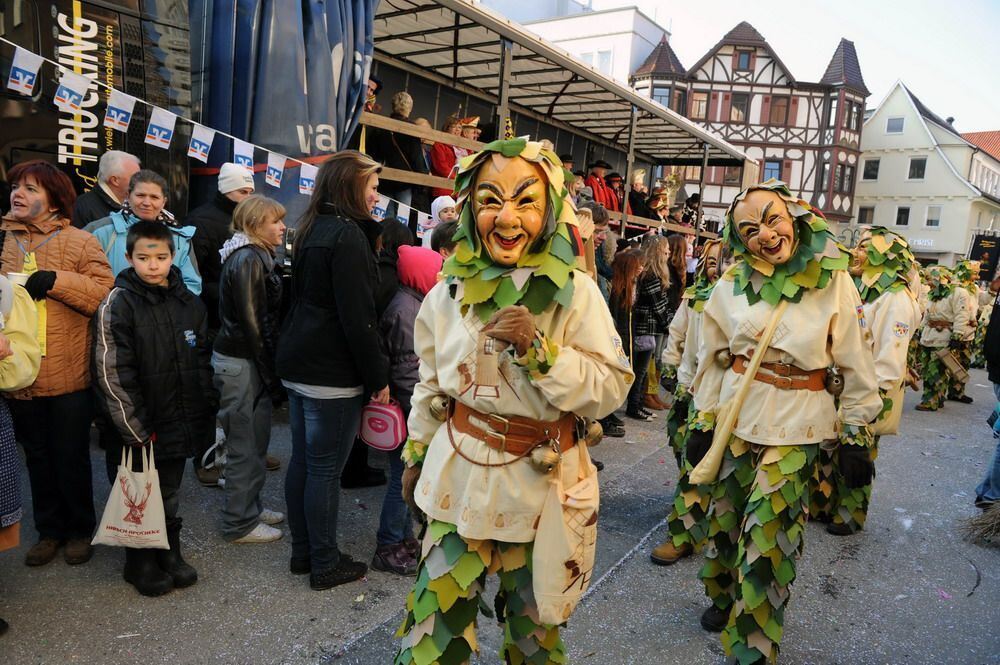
383	426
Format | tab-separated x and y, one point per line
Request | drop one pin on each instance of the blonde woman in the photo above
243	358
650	318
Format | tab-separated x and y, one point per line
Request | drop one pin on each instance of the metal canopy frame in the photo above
513	68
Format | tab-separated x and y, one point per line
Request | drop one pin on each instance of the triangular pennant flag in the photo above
307	179
161	128
243	153
119	112
275	169
403	213
24	71
201	143
71	90
378	212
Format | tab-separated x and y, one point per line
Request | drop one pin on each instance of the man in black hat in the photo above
595	180
567	162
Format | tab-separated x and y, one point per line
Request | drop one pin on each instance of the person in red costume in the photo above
595	180
443	156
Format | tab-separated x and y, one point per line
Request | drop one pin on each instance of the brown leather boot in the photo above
652	402
667	554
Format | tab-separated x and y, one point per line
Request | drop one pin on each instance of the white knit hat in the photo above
233	177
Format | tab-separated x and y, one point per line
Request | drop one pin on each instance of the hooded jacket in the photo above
212	224
152	366
112	232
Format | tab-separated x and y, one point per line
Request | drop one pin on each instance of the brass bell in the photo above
594	433
724	358
439	407
545	457
834	381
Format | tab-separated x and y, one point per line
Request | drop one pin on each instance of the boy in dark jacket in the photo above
153	373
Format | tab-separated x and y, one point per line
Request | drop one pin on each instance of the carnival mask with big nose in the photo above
765	226
713	253
509	203
859	255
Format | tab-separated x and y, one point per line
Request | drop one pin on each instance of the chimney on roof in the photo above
950	120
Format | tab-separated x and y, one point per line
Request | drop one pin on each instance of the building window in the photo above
603	62
661	95
918	165
852	116
743	61
846	182
871	170
680	101
692	173
772	169
933	217
831	119
824	176
699	105
903	216
866	216
894	126
732	176
859	116
740	107
779	111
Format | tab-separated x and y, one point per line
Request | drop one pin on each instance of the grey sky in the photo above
947	53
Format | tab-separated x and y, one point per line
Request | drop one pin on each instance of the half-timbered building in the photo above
804	133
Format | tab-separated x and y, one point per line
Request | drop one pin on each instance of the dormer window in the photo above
744	60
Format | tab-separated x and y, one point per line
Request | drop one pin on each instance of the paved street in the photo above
907	590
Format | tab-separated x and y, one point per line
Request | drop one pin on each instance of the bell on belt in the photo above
439	407
545	456
724	358
834	381
594	433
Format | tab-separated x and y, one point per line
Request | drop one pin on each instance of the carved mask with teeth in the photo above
509	203
765	226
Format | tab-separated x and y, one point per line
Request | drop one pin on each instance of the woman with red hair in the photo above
68	276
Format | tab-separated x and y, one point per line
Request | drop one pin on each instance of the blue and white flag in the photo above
201	143
275	169
243	154
307	179
403	213
24	72
161	128
71	91
378	212
119	112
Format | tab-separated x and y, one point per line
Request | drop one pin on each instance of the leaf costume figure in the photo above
759	500
945	326
979	341
966	275
516	347
882	267
687	524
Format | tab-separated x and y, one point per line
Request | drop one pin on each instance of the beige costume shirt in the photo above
825	328
676	335
689	359
892	318
972	302
590	378
953	308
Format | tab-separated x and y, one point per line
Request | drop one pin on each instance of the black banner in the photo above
986	250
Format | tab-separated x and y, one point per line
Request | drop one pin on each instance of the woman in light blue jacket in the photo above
146	200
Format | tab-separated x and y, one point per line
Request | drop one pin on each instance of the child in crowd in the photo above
443	238
153	373
443	209
397	551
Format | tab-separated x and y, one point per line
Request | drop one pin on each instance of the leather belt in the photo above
514	435
784	376
939	324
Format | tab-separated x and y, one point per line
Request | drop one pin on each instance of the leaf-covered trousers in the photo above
935	378
830	499
688	519
963	352
441	610
756	524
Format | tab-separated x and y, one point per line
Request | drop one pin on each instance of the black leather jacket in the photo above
249	302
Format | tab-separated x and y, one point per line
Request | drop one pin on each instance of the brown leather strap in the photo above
939	324
513	435
783	376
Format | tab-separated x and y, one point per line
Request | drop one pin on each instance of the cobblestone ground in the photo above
906	590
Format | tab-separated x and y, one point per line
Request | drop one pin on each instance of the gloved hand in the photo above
411	475
854	455
40	283
514	325
697	446
955	344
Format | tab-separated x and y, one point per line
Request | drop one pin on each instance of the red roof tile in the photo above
988	141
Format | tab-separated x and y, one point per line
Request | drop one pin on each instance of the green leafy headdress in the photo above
811	266
887	265
697	294
940	281
545	271
963	272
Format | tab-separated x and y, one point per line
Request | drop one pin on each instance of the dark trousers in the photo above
170	471
55	433
640	365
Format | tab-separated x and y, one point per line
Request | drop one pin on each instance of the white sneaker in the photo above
261	533
268	516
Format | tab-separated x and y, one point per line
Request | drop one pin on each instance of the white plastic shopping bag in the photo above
134	514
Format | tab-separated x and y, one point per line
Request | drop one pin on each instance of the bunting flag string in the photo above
73	88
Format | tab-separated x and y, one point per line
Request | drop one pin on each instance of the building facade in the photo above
922	178
804	133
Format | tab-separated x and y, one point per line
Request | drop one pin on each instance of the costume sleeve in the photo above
707	384
84	287
963	326
893	322
21	330
859	403
116	370
676	334
689	357
586	372
421	425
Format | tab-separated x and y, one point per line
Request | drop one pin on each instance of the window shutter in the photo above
736	59
786	172
793	111
727	104
753	60
713	107
765	110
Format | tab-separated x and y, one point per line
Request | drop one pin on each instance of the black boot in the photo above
142	572
171	562
714	619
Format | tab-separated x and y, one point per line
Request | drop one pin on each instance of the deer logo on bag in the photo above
135	508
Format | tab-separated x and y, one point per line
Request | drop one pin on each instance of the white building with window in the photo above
921	178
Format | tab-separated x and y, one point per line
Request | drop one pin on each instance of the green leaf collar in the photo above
888	263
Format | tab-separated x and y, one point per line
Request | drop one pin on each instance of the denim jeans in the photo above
989	489
323	431
395	524
640	365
